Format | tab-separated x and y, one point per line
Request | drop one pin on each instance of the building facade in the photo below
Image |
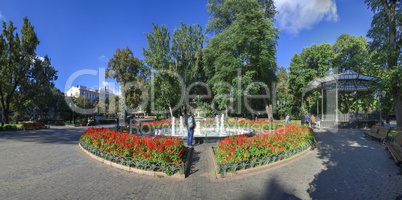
89	94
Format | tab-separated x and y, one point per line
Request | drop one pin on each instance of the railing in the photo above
224	168
350	117
168	168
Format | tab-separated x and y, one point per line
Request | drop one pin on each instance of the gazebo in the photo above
348	81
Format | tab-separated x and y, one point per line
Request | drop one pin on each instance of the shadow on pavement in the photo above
356	168
273	191
195	158
64	135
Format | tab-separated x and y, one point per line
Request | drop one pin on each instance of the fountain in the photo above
205	132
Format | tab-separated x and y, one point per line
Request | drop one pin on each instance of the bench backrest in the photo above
374	129
398	138
29	124
383	131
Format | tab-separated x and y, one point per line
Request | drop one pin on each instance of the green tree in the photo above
186	43
157	55
240	58
42	86
386	38
351	53
114	105
186	51
164	86
313	62
283	93
82	102
130	73
21	71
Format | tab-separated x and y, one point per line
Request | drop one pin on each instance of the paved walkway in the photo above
47	164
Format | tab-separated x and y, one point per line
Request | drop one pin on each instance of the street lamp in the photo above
381	94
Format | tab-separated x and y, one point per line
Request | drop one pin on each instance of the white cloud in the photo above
103	59
296	15
2	18
40	58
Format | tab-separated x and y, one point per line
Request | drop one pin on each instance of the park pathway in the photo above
47	164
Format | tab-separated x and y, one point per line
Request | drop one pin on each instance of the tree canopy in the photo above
130	73
22	72
386	41
240	58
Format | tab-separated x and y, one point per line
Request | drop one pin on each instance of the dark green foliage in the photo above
240	58
24	75
386	42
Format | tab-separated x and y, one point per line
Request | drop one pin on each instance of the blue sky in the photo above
84	34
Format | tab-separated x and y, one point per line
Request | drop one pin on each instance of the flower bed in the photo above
166	154
256	125
240	152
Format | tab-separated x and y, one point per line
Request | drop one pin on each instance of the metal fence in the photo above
168	168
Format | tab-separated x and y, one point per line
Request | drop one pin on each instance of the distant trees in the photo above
24	75
347	53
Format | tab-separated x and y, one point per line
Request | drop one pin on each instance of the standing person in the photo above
302	118
312	121
287	119
318	121
190	123
307	119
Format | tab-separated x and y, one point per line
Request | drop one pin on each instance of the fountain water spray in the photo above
181	129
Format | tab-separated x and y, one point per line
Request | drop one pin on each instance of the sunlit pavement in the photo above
47	164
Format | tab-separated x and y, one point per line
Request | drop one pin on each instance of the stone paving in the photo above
47	164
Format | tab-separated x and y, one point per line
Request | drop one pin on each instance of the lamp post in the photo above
381	95
72	109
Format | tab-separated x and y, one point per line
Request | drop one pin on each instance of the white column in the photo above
222	124
336	109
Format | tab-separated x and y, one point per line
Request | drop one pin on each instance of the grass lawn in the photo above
9	127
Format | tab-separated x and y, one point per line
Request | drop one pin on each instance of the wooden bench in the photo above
379	133
29	126
59	123
373	130
395	148
40	125
84	123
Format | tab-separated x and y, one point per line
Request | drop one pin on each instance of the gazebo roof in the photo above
347	81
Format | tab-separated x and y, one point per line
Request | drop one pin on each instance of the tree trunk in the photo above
171	113
5	116
393	58
396	94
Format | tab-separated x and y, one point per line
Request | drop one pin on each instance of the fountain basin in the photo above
208	134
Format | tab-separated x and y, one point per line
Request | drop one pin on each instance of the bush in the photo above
11	127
